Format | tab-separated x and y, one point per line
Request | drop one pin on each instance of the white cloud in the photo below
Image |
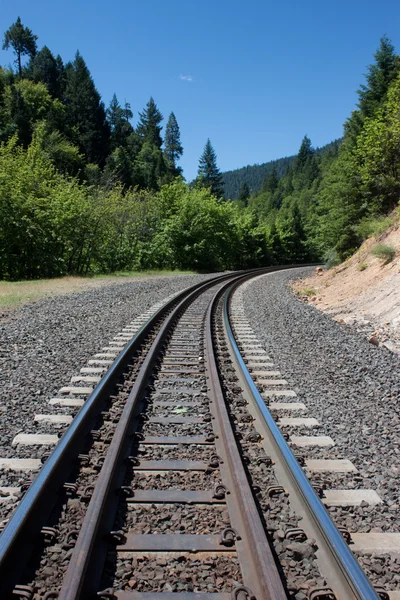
186	78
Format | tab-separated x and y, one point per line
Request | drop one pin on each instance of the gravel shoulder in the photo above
42	345
351	386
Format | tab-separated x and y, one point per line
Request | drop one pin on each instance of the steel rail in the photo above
20	536
83	575
352	581
82	579
258	566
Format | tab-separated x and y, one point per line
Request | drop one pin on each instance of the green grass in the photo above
362	266
11	300
384	252
307	292
18	293
149	273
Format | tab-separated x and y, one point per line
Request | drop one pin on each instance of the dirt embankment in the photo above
363	292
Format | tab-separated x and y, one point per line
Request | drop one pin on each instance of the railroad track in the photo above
163	485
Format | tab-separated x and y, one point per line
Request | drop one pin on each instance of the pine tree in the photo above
113	113
271	182
118	169
149	128
372	95
379	77
306	168
173	147
44	68
275	246
305	153
118	120
127	111
244	194
209	176
62	81
85	112
22	41
293	237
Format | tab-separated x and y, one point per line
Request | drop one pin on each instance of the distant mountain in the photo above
254	175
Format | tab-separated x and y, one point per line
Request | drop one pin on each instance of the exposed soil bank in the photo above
363	292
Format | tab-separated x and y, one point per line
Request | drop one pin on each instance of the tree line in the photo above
253	177
84	190
82	137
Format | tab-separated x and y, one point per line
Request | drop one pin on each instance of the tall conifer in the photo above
118	120
85	112
379	77
209	175
270	183
44	68
149	127
22	41
173	147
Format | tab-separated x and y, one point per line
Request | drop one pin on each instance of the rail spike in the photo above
242	593
107	594
320	593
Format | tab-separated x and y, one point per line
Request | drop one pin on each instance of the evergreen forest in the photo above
254	176
86	188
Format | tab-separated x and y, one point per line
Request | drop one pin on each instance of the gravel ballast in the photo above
351	386
43	345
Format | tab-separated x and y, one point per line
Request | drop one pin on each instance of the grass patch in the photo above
307	292
149	273
384	252
362	266
18	293
12	299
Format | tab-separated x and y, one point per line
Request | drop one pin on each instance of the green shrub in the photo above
362	266
52	225
369	227
384	252
331	258
307	292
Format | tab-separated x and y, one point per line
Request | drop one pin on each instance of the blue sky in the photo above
257	76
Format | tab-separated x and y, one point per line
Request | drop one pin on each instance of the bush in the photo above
362	266
331	258
43	216
308	292
370	227
384	252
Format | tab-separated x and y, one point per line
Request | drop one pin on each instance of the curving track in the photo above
156	488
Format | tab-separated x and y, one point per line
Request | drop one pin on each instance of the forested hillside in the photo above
87	188
254	176
327	203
